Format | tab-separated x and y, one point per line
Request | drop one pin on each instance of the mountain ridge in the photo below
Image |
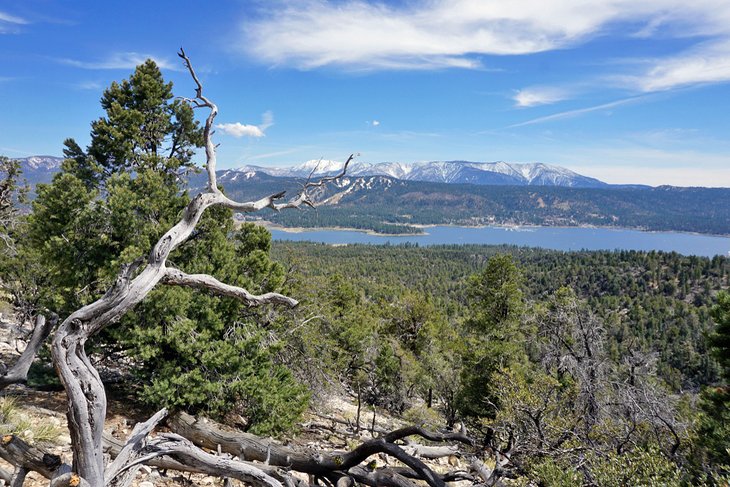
458	172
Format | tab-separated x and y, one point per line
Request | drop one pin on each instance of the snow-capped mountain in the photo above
41	163
501	173
40	169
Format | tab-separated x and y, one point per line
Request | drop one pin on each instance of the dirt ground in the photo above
320	430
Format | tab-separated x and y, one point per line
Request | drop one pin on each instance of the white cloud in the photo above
373	123
530	97
707	63
123	60
240	130
455	33
89	85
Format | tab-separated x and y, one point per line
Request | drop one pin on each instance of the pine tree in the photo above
496	338
714	427
108	206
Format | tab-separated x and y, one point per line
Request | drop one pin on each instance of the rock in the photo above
146	484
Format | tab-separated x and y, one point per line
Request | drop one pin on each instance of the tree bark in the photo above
5	476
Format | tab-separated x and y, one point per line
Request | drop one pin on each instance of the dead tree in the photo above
18	373
86	396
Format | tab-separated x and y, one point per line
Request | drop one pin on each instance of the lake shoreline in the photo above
557	238
507	227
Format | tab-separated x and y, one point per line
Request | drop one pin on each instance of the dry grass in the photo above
15	421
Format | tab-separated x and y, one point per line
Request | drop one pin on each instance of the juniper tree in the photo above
107	207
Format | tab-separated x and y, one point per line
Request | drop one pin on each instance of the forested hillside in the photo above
387	205
652	301
538	344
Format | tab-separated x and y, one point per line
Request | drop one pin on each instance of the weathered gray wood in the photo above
209	434
115	474
69	479
5	476
20	454
18	373
430	452
18	477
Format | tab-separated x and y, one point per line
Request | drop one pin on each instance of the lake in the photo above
557	238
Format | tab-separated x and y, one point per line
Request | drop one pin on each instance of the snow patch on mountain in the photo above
499	172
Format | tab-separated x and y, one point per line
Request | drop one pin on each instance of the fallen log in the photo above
20	454
113	446
209	434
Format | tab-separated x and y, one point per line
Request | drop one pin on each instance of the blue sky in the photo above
622	90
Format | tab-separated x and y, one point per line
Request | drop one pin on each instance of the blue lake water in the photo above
545	237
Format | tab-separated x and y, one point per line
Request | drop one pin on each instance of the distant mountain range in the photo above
39	169
390	205
394	197
452	172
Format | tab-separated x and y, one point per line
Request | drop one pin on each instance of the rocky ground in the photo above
331	427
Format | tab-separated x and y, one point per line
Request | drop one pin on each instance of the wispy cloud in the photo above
122	60
457	33
238	129
373	123
9	23
89	85
18	152
706	63
286	152
530	97
578	112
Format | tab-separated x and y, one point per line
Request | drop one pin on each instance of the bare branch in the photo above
429	435
202	101
131	450
19	372
178	278
328	179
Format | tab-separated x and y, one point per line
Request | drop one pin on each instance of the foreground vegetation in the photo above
570	361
